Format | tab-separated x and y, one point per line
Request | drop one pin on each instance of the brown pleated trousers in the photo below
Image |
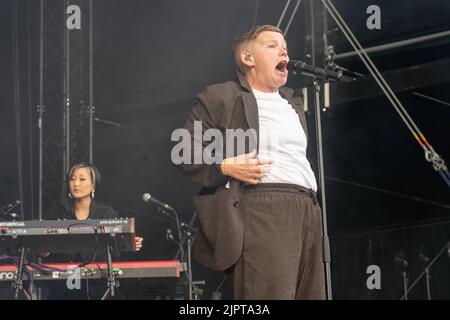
283	253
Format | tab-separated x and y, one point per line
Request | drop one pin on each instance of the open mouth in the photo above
282	67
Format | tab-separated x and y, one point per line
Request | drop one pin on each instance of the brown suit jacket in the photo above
230	105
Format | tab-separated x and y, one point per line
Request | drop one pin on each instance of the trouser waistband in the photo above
282	187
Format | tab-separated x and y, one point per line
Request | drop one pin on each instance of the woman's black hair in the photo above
67	200
95	174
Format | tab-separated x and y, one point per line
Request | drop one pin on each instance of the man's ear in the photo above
247	59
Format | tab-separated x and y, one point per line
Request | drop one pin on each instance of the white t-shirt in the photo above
283	141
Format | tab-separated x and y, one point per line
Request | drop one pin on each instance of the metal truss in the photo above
65	108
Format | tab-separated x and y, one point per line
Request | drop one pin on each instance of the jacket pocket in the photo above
206	208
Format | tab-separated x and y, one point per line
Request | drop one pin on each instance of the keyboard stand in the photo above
111	280
18	283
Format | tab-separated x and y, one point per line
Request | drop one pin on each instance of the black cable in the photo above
410	197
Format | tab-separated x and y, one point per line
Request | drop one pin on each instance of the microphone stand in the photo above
111	281
188	235
324	75
427	279
185	234
402	264
424	260
326	240
426	271
191	223
405	284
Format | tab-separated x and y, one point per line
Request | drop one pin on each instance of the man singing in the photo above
258	214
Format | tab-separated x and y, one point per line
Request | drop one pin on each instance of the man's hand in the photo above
245	168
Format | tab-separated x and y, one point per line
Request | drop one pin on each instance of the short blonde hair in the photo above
242	41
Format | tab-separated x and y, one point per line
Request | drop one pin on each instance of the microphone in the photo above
424	259
187	228
300	67
401	262
422	256
9	207
169	234
147	197
13	215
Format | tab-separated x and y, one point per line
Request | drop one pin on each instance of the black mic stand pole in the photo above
427	279
188	236
405	284
424	260
317	107
400	261
323	76
326	241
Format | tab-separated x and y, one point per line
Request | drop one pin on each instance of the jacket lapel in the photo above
250	106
